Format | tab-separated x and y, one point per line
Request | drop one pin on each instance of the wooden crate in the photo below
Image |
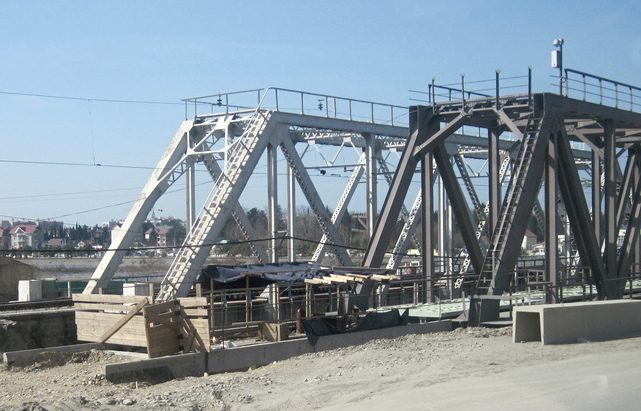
164	329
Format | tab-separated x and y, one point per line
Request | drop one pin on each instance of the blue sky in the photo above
163	51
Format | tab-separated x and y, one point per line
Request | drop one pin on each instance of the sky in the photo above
124	67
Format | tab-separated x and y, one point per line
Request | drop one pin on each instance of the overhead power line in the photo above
104	100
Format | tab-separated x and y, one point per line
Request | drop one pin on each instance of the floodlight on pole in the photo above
557	60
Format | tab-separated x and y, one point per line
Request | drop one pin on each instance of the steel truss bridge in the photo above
524	148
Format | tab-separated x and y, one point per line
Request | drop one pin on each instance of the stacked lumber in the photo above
166	328
116	319
176	326
352	278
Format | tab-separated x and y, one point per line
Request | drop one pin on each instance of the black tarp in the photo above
259	275
317	327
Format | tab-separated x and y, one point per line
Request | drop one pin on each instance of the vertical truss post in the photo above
272	201
427	191
421	127
190	193
610	257
637	248
291	214
578	213
495	179
442	225
597	171
551	217
371	176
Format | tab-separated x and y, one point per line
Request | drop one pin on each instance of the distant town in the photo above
162	236
55	239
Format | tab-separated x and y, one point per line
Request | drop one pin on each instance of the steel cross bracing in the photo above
545	126
243	157
341	208
230	144
505	162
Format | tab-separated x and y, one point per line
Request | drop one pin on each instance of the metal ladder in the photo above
483	220
508	208
178	280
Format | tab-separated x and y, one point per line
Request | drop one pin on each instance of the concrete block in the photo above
242	358
135	289
273	331
23	357
567	323
49	289
158	369
29	290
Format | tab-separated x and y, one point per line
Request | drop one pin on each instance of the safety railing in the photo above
601	90
298	102
487	89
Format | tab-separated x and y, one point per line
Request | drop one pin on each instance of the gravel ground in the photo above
343	377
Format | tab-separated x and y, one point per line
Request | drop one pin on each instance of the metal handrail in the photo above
328	105
466	96
613	90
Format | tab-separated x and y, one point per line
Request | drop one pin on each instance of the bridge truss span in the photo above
530	141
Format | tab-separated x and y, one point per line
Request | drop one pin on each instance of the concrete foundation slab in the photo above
567	323
164	368
241	358
12	358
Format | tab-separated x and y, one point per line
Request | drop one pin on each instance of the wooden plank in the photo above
159	319
199	321
108	298
339	278
98	331
361	276
116	339
101	317
166	306
157	333
194	336
102	307
162	347
193	302
93	334
124	320
196	312
161	329
109	322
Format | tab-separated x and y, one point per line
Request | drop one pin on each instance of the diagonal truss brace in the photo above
314	200
341	208
170	167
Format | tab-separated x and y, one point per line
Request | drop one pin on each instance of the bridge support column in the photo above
291	214
371	176
611	231
272	201
427	191
551	218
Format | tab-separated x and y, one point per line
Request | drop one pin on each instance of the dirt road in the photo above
463	369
